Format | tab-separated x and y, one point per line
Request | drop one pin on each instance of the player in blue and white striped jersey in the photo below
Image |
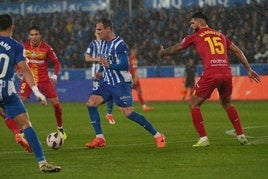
92	55
117	84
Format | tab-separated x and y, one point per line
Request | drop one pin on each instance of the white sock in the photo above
203	138
157	134
100	136
241	135
40	163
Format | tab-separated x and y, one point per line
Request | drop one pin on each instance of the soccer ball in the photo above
54	140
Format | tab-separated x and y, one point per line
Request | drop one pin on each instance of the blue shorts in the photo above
121	93
12	106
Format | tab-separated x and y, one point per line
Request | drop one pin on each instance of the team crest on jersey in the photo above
34	54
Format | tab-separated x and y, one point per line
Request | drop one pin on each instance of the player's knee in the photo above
127	111
94	101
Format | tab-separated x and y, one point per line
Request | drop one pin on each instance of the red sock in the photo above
58	114
13	126
198	121
141	99
234	118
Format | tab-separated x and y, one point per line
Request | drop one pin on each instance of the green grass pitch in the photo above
131	151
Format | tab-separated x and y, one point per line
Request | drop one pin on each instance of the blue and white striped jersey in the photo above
93	50
116	52
11	53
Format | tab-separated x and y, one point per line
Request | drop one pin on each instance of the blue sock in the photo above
142	121
34	143
110	105
95	119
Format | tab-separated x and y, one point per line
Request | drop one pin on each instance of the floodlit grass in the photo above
131	151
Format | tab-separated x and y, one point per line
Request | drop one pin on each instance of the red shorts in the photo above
208	82
47	88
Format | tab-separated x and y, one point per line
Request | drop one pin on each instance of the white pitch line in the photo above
232	131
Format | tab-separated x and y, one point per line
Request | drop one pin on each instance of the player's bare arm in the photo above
28	76
251	73
88	58
172	50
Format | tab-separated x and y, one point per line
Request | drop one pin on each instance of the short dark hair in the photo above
106	22
6	21
34	27
200	15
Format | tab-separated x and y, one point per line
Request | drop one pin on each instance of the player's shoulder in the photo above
120	43
45	44
9	41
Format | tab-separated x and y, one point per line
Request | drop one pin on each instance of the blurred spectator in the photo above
261	56
68	32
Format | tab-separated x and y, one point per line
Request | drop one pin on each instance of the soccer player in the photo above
92	55
189	78
11	54
38	54
133	69
116	85
212	46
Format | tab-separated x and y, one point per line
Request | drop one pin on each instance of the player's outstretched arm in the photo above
251	73
28	76
172	50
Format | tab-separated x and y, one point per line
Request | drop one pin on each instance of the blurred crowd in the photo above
70	32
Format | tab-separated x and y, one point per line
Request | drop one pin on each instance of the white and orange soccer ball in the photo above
54	140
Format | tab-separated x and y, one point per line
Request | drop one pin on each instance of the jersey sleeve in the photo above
20	53
186	41
122	55
89	49
53	57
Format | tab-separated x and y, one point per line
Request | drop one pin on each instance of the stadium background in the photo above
68	27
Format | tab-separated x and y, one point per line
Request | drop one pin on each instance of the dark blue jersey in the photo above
11	52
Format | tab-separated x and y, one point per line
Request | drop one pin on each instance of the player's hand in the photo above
97	75
19	77
104	62
40	97
160	52
254	76
53	79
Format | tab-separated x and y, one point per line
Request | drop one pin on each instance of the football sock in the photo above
157	134
58	113
95	119
203	138
100	136
13	126
142	121
34	143
141	100
234	118
40	163
198	121
110	105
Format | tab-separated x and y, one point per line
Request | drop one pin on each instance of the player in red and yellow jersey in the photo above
38	54
212	46
133	69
